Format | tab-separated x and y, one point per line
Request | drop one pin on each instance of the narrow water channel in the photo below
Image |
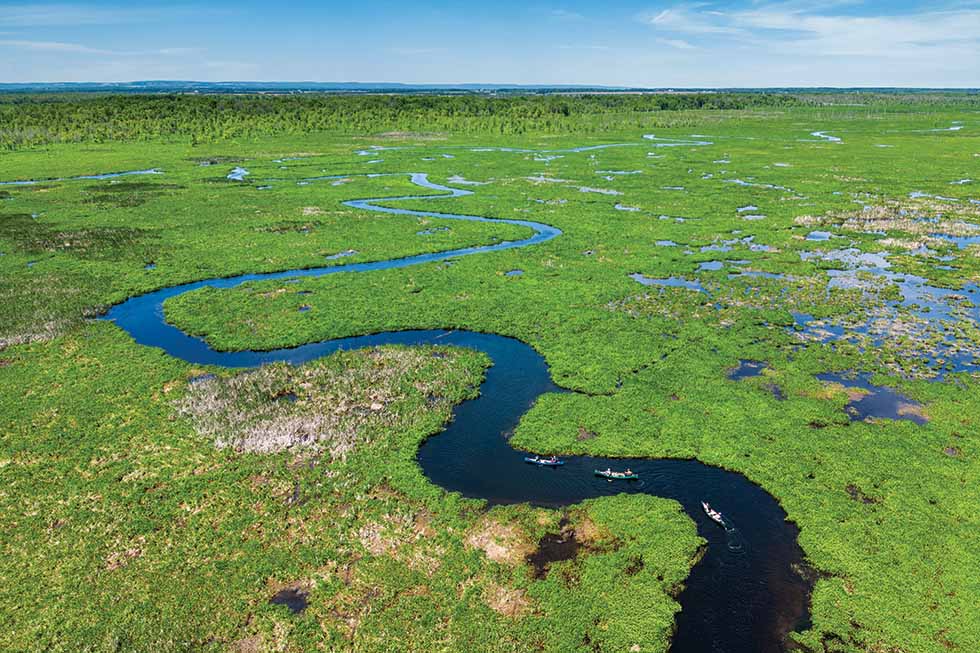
743	596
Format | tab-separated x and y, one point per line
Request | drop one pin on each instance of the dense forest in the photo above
27	120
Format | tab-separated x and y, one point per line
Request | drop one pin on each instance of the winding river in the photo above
748	590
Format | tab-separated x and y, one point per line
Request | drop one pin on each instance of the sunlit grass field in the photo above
808	239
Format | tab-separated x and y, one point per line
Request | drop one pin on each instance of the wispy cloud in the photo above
691	19
825	29
54	15
77	48
871	35
680	44
178	52
52	46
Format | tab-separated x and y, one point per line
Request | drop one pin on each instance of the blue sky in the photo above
636	43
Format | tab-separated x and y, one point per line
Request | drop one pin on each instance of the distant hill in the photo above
181	86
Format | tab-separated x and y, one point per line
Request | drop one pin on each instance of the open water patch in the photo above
674	142
623	207
918	194
669	282
432	230
710	266
729	244
955	127
462	181
292	598
601	191
850	257
931	329
827	137
875	401
756	184
747	369
760	274
106	175
553	547
961	242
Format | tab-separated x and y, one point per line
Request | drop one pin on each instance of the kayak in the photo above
543	461
619	476
712	513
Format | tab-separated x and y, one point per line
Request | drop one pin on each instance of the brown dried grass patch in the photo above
507	601
903	215
325	407
372	537
503	543
588	533
253	644
916	410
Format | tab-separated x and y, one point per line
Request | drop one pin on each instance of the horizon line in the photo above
498	85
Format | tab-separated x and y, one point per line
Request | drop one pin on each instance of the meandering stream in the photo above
746	592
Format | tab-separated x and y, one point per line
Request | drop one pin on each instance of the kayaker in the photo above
553	459
609	470
629	472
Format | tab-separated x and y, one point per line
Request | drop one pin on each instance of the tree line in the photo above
27	120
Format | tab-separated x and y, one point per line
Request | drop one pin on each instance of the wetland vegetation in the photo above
153	504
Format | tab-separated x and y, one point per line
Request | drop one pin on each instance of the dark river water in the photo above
744	595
